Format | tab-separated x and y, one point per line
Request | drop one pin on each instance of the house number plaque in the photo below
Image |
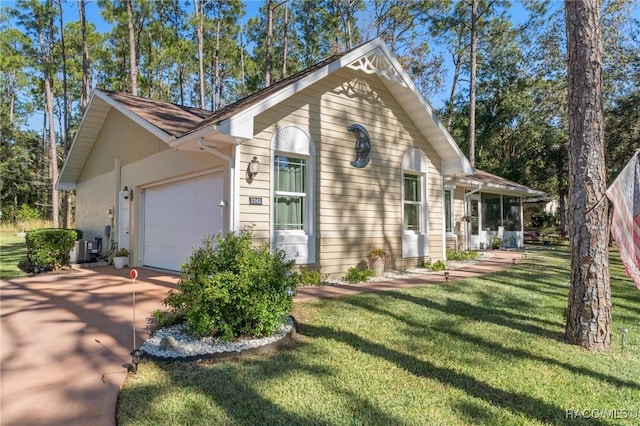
255	201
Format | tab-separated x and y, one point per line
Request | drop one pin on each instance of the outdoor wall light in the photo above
136	354
254	167
624	331
127	193
446	276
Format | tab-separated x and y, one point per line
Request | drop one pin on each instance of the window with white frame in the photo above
415	241
412	202
290	193
293	211
448	210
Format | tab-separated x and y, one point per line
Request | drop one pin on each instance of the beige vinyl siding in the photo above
120	138
357	210
97	196
256	216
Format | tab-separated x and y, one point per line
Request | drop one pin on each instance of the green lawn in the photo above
482	351
12	252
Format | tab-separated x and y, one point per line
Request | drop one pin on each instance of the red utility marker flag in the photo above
624	194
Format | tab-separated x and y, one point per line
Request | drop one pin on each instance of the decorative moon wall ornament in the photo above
363	146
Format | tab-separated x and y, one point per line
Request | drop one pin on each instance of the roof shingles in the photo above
172	119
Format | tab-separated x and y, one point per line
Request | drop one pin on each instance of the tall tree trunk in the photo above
86	67
457	60
285	33
66	208
348	24
198	6
472	83
242	61
133	67
268	46
217	95
46	50
589	311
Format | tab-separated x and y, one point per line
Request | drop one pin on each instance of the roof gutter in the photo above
213	151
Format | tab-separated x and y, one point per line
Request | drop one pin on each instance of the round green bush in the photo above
49	248
231	289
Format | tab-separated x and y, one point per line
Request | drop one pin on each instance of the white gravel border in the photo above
184	346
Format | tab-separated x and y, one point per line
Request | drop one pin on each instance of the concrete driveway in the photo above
64	340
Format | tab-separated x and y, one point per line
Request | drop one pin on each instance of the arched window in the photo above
293	198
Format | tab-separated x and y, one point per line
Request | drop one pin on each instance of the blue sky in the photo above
93	15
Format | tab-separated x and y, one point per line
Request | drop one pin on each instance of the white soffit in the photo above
89	129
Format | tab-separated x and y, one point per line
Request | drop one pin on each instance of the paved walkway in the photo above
65	338
499	260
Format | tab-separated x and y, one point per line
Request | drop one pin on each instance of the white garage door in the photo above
177	216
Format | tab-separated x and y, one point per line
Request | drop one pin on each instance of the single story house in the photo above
328	164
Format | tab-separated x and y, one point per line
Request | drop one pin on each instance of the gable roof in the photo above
373	57
172	119
184	127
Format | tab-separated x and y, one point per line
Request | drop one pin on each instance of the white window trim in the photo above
303	195
415	243
292	141
420	204
452	232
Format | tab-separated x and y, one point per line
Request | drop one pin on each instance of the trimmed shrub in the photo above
355	275
438	265
309	277
462	255
230	289
49	248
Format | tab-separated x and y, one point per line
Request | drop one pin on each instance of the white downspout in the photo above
466	210
232	179
116	202
234	214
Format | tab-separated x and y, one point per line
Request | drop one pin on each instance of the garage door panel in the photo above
177	216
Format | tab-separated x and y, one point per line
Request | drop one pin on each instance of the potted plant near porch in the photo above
377	260
121	258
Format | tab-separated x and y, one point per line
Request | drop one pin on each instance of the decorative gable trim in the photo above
376	62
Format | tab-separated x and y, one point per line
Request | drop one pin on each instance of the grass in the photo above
12	251
479	351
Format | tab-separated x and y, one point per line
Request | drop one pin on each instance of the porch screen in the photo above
511	214
491	214
290	193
